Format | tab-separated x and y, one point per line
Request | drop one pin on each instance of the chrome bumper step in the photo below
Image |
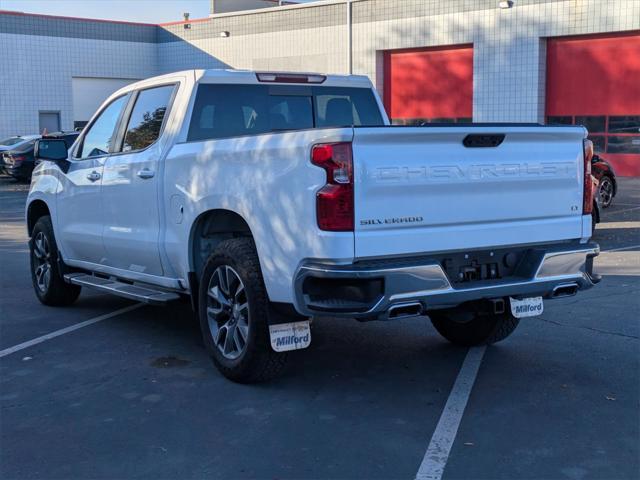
144	294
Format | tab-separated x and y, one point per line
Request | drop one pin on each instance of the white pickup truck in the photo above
271	198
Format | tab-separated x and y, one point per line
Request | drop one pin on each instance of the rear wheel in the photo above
48	283
233	314
469	327
605	190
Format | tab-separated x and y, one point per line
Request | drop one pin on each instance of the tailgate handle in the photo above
483	140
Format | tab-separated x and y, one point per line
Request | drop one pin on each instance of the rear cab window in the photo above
225	111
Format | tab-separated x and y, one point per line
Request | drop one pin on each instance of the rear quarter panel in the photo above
266	179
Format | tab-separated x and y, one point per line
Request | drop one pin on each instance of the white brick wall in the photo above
311	50
509	49
509	46
41	68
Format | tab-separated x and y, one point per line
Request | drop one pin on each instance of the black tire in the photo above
469	328
50	288
256	360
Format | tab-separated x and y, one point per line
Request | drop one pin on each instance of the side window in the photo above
147	117
98	139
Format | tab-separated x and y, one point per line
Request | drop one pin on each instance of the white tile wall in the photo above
314	49
509	50
41	68
509	46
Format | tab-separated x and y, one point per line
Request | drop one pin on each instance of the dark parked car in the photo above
597	204
608	187
16	142
19	161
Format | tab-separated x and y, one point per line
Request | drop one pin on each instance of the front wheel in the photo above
469	328
233	313
48	283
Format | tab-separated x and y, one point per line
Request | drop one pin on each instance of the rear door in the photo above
130	185
79	204
426	189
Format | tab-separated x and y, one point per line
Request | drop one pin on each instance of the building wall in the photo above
310	38
38	69
509	44
225	6
509	47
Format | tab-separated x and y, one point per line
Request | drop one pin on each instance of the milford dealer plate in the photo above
527	307
290	336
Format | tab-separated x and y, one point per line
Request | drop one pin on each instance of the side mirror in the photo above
52	149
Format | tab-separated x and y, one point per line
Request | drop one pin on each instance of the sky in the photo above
146	11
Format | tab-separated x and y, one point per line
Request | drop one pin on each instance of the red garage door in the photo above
429	85
595	81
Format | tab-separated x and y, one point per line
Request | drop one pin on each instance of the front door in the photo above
78	202
130	187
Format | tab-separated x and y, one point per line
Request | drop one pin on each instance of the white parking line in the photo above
57	333
442	440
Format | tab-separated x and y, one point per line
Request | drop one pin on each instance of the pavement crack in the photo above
597	330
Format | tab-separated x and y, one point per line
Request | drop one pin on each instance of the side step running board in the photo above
133	292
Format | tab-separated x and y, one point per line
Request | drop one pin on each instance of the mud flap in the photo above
290	336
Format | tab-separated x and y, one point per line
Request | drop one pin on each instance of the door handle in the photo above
145	173
93	176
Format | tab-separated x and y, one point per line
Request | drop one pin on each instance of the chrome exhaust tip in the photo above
565	290
404	310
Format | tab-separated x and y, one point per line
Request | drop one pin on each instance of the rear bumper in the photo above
371	290
23	170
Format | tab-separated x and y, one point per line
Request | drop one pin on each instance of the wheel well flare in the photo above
36	209
211	228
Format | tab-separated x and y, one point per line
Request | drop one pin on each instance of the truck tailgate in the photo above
420	189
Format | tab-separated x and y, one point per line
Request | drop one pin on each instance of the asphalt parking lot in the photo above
135	396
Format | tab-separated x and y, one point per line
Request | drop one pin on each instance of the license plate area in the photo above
467	267
526	307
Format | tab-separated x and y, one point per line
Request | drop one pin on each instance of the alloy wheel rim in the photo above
606	191
228	312
42	254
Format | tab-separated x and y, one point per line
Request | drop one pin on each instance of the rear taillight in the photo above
334	201
15	160
587	203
